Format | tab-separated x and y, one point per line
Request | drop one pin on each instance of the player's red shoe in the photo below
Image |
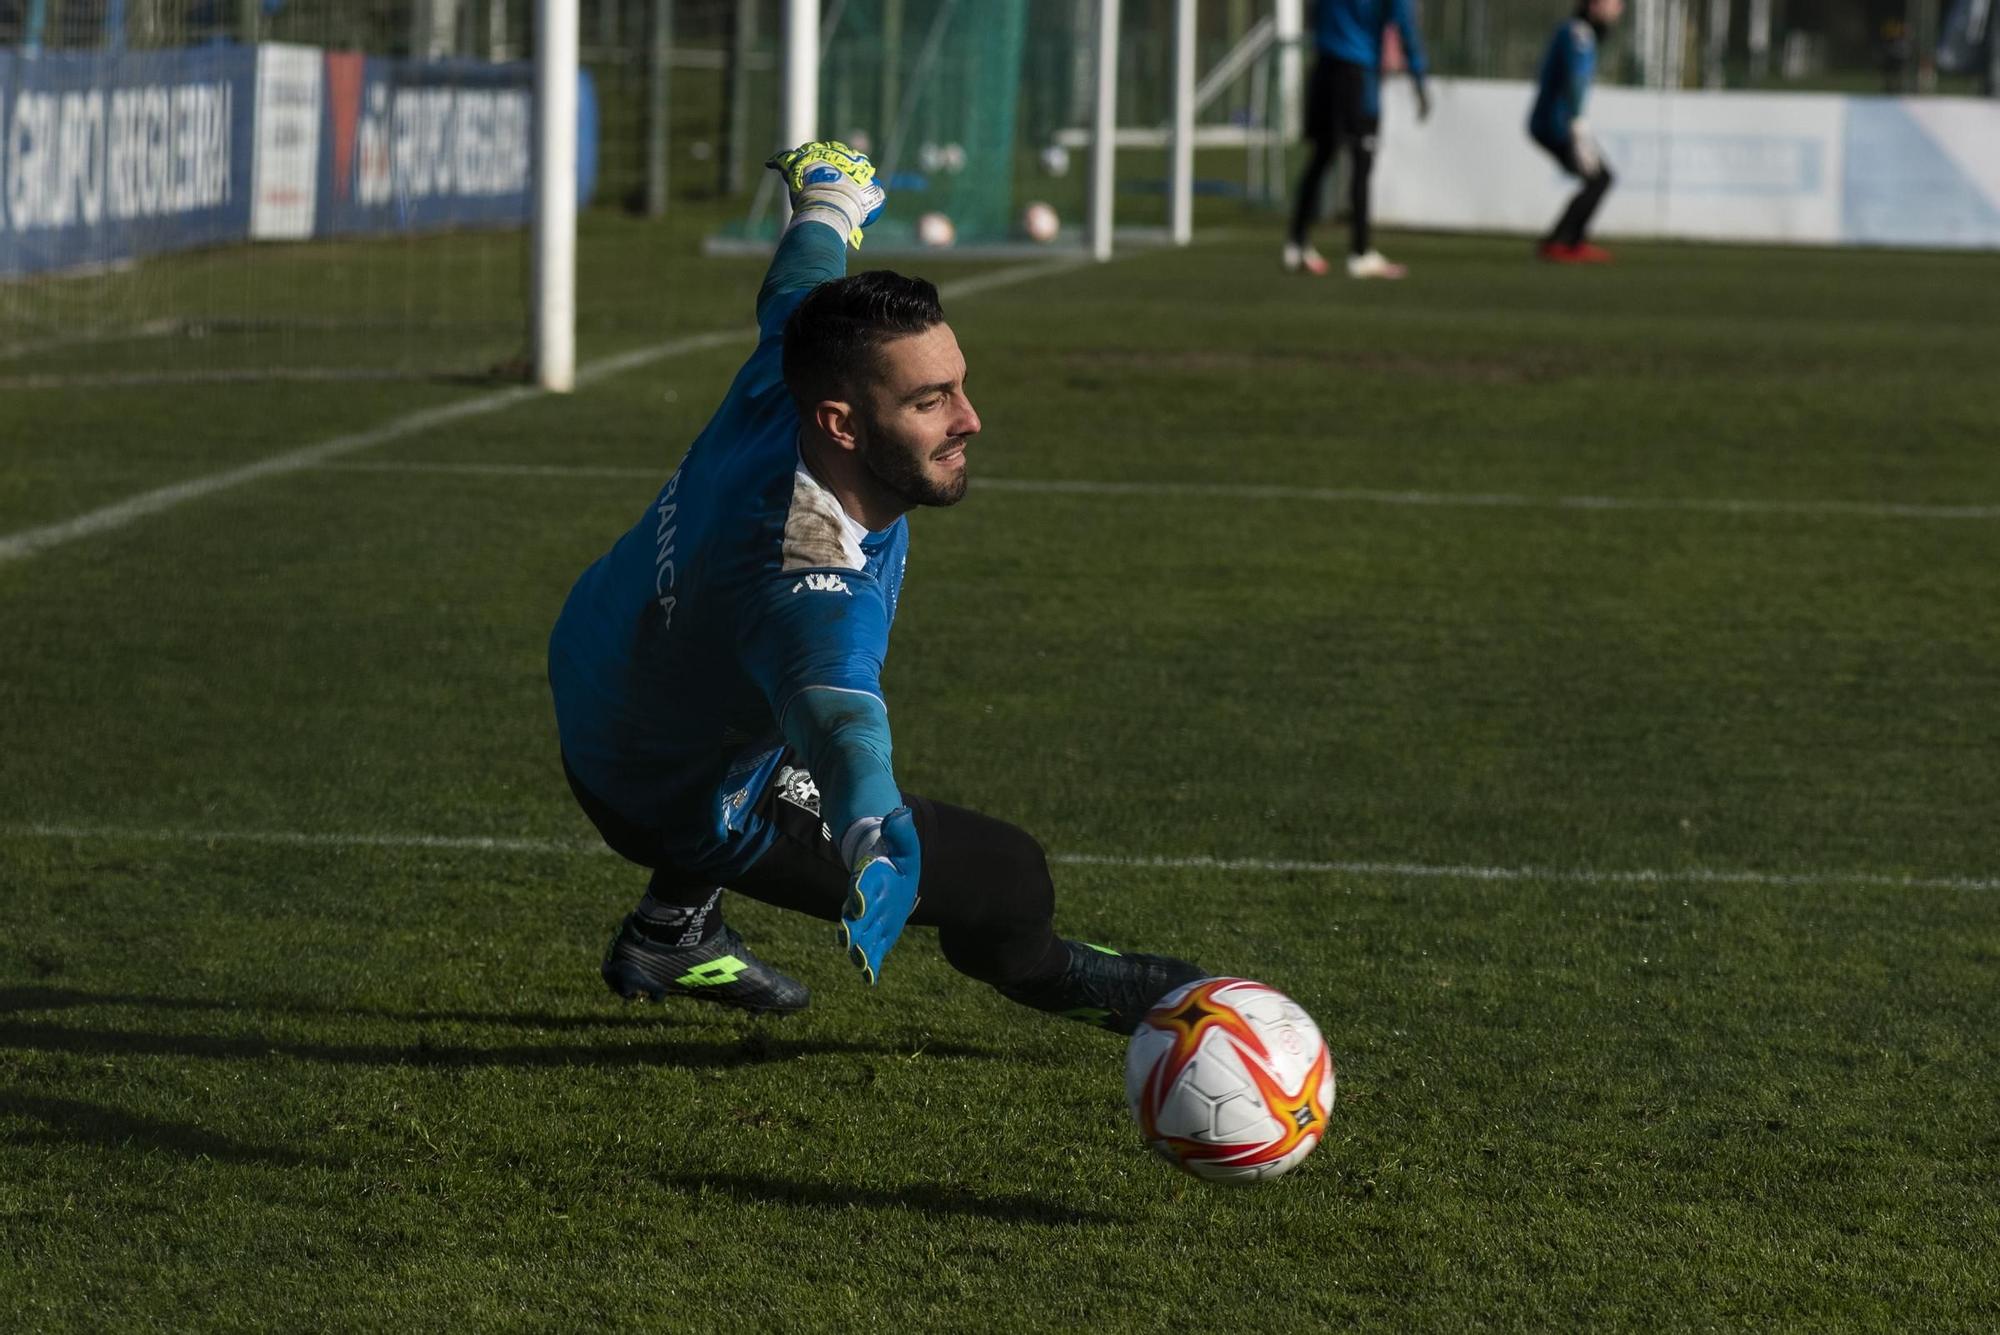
1582	253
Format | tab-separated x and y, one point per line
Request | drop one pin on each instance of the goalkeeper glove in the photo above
887	866
831	183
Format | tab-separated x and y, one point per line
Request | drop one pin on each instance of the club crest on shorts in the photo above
797	787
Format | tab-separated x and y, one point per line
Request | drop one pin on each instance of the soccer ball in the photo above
1229	1080
1039	221
934	229
1055	160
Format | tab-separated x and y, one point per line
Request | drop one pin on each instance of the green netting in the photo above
931	85
930	90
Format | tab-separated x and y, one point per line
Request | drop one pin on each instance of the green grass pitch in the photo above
1586	684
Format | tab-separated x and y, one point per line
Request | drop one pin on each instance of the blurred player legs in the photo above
1566	243
1556	123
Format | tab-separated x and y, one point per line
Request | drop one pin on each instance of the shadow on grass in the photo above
65	998
753	1049
617	1047
929	1198
74	1122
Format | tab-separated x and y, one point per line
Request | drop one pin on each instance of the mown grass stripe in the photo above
1250	491
28	542
1161	862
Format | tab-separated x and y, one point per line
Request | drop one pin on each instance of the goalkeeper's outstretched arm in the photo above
834	196
808	255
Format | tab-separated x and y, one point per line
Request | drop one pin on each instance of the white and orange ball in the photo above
1230	1080
1040	222
934	229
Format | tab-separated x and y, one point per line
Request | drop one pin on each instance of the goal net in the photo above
264	189
973	110
929	89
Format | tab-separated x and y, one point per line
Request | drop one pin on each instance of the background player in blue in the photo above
1344	107
1557	125
717	673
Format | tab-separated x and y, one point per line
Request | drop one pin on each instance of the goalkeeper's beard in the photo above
901	470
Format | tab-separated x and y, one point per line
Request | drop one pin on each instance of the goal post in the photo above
1181	178
1008	128
310	191
1104	133
802	58
553	301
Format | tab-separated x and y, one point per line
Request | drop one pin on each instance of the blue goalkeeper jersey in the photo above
1351	30
744	585
1567	69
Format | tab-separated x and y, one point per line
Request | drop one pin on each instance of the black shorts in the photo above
1337	102
1565	154
977	871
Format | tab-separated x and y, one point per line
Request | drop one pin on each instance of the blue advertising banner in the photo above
413	147
106	156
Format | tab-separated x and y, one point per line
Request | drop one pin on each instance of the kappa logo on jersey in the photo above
823	584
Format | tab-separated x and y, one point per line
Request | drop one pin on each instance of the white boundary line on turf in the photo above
56	342
1393	870
1251	491
27	542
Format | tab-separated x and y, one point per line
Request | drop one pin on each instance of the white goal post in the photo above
1278	37
557	26
1282	30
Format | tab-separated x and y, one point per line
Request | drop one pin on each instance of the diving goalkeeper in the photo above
716	673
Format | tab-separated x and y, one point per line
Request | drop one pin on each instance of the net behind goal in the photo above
931	86
930	89
306	189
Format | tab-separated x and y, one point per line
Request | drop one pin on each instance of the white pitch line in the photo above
494	470
27	542
1495	500
1008	277
1251	491
56	342
1573	875
1274	866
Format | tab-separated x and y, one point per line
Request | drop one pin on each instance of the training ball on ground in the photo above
934	229
1039	221
952	157
1055	160
1229	1080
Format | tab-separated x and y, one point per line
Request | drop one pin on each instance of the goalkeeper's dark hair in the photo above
834	339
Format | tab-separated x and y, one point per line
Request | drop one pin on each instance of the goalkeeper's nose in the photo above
965	419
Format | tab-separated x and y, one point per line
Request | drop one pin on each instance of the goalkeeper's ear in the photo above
835	419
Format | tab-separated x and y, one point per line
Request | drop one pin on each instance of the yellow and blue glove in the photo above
831	183
883	892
